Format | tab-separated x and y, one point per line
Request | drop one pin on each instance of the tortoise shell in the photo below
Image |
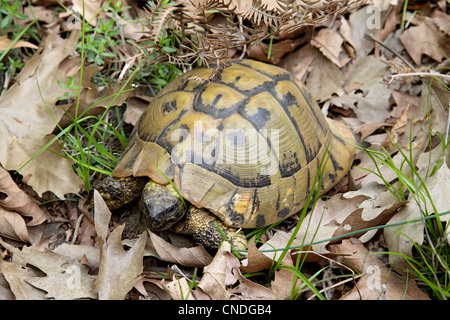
247	145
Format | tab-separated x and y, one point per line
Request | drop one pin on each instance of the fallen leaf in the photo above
79	252
28	112
330	43
93	101
403	101
178	289
323	223
397	129
346	32
5	291
239	285
256	260
17	200
119	269
422	40
64	279
131	22
401	239
135	108
5	43
325	79
249	289
90	9
71	281
152	289
187	256
278	240
373	104
359	26
337	216
16	275
260	50
13	226
381	34
438	187
214	280
378	282
299	62
102	216
283	280
370	127
40	13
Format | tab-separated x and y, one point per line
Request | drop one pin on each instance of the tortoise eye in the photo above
171	210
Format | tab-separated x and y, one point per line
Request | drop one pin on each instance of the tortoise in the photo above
243	148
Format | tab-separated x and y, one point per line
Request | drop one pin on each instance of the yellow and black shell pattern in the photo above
246	145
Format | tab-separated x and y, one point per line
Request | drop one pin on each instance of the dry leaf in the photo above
378	282
278	240
71	281
152	289
178	289
16	275
397	129
26	121
64	279
17	200
359	26
214	280
373	104
438	187
5	291
381	34
164	251
330	43
135	108
80	252
346	32
133	28
422	40
91	7
260	50
403	101
256	260
40	13
230	273
119	269
283	280
299	62
102	216
325	79
13	226
357	210
323	223
250	289
401	239
370	127
5	43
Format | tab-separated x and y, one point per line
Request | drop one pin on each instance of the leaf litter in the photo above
350	80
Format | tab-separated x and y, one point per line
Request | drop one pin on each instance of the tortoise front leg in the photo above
200	223
117	192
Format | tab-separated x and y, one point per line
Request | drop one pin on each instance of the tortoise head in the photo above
161	206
